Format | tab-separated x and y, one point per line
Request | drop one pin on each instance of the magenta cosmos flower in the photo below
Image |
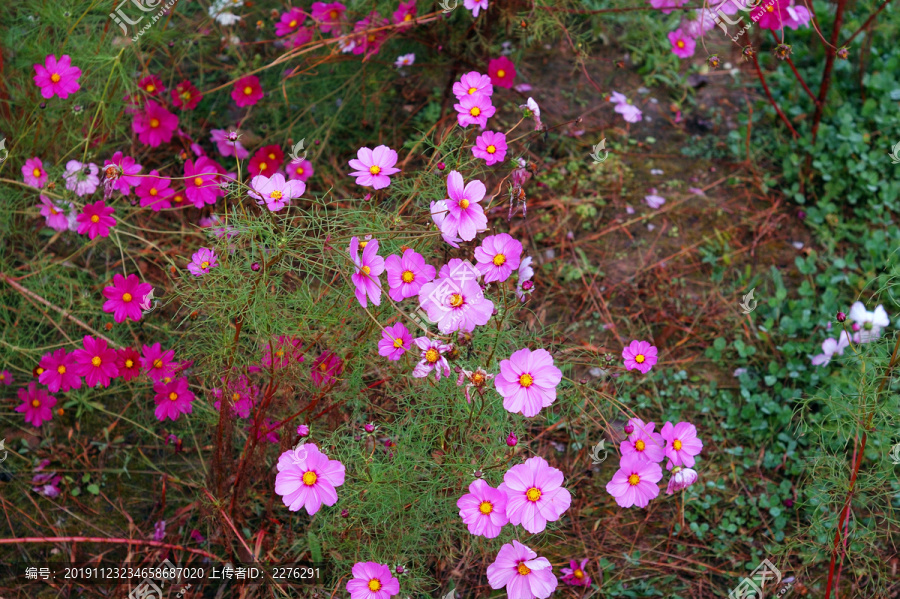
522	572
405	13
55	217
483	509
368	41
498	256
476	6
575	575
473	83
455	301
302	170
534	494
202	179
372	580
289	22
59	372
128	168
502	72
202	261
491	147
395	341
639	355
474	110
682	444
95	220
274	191
373	167
125	296
326	368
407	274
288	350
33	172
247	91
186	96
635	481
157	363
666	5
6	378
368	268
81	178
465	215
154	191
242	395
172	399
57	77
37	404
432	358
527	381
307	478
128	361
96	362
155	125
152	84
643	442
328	16
682	45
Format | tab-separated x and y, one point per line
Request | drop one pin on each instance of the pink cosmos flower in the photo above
455	301
629	112
96	362
328	16
304	35
155	125
395	341
534	494
57	77
639	355
289	22
247	91
522	572
654	201
527	381
124	297
491	147
407	274
531	108
635	481
152	84
302	170
154	191
483	509
202	179
157	363
432	358
242	395
498	256
326	368
129	168
95	220
439	213
202	261
643	442
372	580
369	41
465	216
81	178
186	96
702	21
832	347
274	192
267	430
59	372
798	16
55	216
667	5
33	172
473	83
474	110
681	478
128	361
368	268
288	350
226	146
682	444
373	167
682	44
502	72
524	284
172	399
307	478
6	378
771	15
405	13
575	575
37	404
476	6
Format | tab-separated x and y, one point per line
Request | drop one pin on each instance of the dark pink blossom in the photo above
57	77
96	362
59	372
124	297
155	125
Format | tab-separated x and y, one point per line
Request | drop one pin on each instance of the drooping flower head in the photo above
498	256
643	442
407	274
682	444
576	574
534	494
395	341
307	478
202	261
274	192
522	572
96	362
81	178
172	399
124	297
57	77
59	372
524	284
681	478
473	83
502	72
368	269
870	323
531	109
374	167
635	481
474	110
431	353
247	91
155	125
455	300
832	347
491	147
372	580
37	404
33	172
639	355
527	381
483	509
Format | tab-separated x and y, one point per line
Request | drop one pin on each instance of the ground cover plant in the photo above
479	299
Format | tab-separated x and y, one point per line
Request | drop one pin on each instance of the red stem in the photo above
830	54
762	80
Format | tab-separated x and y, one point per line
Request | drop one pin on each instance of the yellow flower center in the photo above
39	370
173	396
272	156
634	479
533	494
491	149
309	478
523	569
363	244
153	191
366	270
464	203
501	73
323	366
35	403
371	38
248	90
185	95
179	198
275	195
770	8
279	353
456	300
55	77
499	259
432	355
263	166
408	17
126	297
151	88
293	23
36	172
204	265
680	43
486	507
472	90
398	342
578	574
129	363
333	14
299	170
235	396
475	111
157	363
639	358
198	181
53	211
96	361
374	585
374	169
407	276
526	380
154	123
676	444
61	369
478	378
95	219
640	445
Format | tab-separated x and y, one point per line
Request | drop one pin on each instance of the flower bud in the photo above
841	317
369	428
629	428
345	513
441	166
512	440
303	430
255	266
